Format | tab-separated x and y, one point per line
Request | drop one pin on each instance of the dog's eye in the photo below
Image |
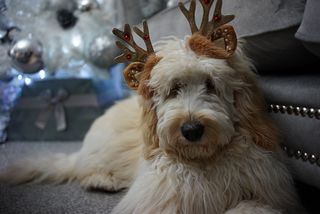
174	91
210	87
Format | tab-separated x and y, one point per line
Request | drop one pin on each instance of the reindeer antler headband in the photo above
137	58
201	41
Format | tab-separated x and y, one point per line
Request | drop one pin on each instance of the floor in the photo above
71	198
45	198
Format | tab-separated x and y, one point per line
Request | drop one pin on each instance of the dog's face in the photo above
194	102
197	93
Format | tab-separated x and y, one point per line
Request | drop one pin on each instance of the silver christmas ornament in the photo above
87	5
102	51
26	56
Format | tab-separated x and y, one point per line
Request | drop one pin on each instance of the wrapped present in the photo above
54	110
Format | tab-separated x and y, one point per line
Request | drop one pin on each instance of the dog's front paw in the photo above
106	182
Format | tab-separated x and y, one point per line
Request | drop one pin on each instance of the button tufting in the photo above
305	156
270	108
290	109
299	111
311	112
303	111
276	108
283	109
311	158
298	154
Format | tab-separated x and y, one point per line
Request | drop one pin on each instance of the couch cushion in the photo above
252	17
294	104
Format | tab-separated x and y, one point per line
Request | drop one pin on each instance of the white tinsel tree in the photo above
74	35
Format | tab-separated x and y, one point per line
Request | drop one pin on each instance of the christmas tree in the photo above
49	39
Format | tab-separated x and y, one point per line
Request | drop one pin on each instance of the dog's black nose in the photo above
192	131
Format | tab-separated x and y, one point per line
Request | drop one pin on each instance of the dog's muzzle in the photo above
192	131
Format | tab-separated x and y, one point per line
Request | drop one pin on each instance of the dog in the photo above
195	139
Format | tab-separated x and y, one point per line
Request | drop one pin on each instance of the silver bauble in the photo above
26	56
87	5
102	51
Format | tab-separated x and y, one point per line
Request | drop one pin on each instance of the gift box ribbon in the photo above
50	103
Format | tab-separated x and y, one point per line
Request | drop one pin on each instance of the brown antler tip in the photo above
114	30
139	54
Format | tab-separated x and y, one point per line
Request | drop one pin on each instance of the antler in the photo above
214	28
190	15
137	56
140	55
208	26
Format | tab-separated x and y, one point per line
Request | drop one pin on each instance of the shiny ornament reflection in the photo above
26	56
87	5
102	51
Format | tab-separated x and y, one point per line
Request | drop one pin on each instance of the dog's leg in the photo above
252	207
112	148
114	167
108	158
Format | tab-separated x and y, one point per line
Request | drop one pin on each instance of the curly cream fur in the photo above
233	168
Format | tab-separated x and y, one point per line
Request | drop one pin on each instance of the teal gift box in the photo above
54	110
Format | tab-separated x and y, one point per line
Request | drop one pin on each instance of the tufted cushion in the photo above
309	29
294	104
252	17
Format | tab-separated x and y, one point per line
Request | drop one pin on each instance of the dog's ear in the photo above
144	88
252	113
151	139
137	75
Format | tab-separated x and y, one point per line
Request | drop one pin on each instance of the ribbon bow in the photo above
55	104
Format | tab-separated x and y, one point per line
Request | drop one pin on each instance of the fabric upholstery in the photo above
310	27
297	132
252	17
290	53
